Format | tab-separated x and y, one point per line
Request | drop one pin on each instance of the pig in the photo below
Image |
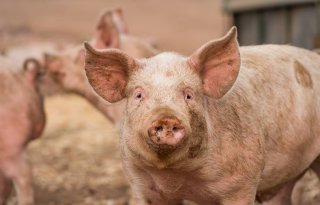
66	66
22	119
66	69
227	125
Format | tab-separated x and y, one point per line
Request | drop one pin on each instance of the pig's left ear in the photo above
32	69
218	63
108	71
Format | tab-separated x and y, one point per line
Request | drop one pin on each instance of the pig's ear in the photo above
32	69
218	63
118	18
107	71
107	34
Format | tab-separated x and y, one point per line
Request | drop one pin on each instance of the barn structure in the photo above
295	22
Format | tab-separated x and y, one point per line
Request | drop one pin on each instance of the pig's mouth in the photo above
164	150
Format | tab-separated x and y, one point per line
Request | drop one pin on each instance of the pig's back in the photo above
265	58
279	77
279	92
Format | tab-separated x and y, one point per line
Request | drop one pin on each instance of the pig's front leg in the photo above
240	198
152	199
148	195
19	171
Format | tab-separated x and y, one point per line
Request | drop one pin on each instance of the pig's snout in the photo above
167	131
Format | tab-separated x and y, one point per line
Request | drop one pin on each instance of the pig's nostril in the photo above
158	128
175	129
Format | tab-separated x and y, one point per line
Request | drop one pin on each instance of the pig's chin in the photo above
161	155
164	151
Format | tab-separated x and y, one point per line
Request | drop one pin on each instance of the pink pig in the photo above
66	67
226	125
22	119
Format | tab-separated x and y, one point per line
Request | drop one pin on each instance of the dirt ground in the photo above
76	161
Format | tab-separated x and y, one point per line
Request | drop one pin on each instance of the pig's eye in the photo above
188	96
139	94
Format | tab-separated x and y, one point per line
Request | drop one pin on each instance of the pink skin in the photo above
241	140
21	123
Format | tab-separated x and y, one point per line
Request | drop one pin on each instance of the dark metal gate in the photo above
295	22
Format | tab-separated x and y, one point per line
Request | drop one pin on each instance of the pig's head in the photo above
166	115
66	69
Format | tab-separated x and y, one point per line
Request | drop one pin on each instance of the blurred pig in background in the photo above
66	66
22	119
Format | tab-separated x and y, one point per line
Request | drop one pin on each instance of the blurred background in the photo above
77	161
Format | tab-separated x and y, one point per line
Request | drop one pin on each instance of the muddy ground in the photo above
76	161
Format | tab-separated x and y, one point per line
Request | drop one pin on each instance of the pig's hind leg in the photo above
5	188
19	171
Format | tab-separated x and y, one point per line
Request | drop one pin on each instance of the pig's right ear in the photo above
218	63
108	71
